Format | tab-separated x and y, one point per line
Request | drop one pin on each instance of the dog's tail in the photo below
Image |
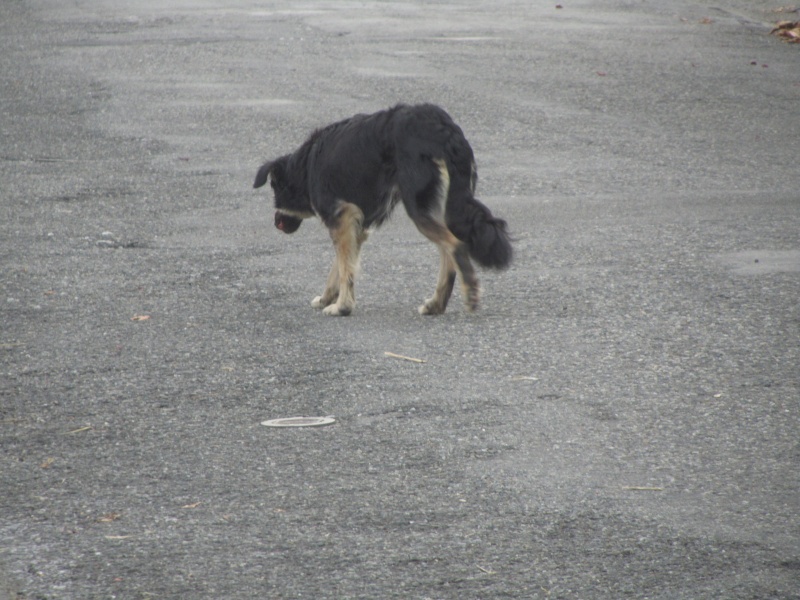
485	236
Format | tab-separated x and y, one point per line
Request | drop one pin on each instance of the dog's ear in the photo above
263	173
276	168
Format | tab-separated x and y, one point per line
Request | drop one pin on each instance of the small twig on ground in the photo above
401	357
87	428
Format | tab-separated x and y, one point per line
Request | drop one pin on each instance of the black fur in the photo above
363	166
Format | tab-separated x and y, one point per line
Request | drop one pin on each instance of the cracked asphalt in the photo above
620	419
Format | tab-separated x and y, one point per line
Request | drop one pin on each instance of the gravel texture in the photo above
621	419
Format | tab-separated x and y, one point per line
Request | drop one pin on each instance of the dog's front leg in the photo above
331	288
347	235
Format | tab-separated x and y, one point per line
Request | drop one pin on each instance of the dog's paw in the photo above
337	310
471	305
321	302
431	307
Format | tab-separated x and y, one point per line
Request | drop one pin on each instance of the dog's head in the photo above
287	217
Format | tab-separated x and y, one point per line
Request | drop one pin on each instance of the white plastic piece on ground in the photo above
299	422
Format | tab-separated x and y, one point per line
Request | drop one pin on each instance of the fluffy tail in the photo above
485	235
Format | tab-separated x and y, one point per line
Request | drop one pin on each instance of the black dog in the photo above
353	173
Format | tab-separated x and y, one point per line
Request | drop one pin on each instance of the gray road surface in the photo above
620	420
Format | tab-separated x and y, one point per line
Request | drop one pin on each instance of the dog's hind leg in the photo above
454	256
348	235
469	280
444	286
428	213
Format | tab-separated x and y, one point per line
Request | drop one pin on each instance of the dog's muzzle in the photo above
287	223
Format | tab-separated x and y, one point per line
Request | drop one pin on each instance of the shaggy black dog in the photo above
352	174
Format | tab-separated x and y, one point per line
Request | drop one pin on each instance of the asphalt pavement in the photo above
620	419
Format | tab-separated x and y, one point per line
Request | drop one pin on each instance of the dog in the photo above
353	173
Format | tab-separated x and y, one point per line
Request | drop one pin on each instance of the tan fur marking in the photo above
444	186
